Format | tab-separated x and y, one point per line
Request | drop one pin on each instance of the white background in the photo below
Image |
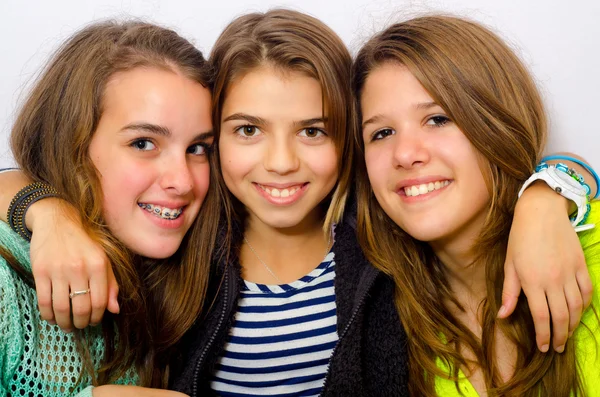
557	39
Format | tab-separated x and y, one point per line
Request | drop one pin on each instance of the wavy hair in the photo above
489	94
159	299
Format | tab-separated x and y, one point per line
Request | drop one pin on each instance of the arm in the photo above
63	257
132	391
545	258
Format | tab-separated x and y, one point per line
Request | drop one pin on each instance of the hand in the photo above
63	259
545	258
132	391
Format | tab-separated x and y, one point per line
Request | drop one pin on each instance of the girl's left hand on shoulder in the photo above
546	260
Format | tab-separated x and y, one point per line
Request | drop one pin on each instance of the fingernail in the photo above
570	333
52	322
560	349
545	348
502	311
68	331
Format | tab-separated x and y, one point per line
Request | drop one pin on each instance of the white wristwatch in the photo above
567	187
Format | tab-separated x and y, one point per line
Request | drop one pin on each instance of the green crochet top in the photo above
36	358
586	336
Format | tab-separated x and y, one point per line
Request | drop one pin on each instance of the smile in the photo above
417	190
282	192
161	212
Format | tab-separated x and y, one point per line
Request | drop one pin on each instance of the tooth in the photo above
423	189
267	190
414	191
285	193
275	193
446	183
431	187
437	185
408	191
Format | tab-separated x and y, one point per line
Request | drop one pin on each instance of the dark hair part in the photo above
489	94
288	40
50	142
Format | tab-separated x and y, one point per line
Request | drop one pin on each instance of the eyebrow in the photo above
246	117
162	131
260	121
310	122
418	106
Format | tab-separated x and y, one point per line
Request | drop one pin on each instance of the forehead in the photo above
273	92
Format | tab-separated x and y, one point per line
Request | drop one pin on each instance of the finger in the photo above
43	289
574	304
560	319
113	292
81	306
61	304
510	291
98	294
585	286
538	306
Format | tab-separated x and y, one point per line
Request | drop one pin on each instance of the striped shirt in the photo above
282	338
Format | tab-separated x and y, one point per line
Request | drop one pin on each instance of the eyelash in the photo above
239	131
438	122
205	146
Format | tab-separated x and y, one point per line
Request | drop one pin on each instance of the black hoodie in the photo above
370	358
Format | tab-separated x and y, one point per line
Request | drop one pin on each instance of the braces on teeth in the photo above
164	213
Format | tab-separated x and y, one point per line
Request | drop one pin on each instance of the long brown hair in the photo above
290	41
50	140
489	94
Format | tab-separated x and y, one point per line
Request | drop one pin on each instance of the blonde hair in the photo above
291	41
50	141
488	93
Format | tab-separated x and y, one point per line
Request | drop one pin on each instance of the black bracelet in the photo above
21	203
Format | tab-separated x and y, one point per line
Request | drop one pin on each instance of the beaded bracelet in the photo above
587	167
578	178
22	201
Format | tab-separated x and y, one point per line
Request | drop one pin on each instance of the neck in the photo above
289	253
466	276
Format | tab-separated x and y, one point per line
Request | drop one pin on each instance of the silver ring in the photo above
82	292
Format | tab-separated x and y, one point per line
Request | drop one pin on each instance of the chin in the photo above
155	252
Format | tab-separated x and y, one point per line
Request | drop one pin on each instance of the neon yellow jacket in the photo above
587	343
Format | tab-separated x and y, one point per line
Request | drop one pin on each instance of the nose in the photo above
281	156
409	150
176	175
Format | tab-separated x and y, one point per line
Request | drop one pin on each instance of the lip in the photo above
165	223
281	201
420	181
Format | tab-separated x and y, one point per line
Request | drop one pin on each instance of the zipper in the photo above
212	338
345	331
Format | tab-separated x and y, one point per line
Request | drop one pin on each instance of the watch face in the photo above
564	178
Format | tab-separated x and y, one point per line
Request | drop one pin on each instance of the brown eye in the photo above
312	132
247	131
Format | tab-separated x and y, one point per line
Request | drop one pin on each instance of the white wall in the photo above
557	39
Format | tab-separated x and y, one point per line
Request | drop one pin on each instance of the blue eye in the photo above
382	134
143	144
312	132
438	120
198	149
247	131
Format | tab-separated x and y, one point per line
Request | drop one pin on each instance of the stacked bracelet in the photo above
22	201
582	164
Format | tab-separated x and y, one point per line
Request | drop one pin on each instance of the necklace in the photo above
267	266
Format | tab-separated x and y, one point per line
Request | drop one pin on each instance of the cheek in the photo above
375	161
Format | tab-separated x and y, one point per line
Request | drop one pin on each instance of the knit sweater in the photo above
370	358
586	336
36	358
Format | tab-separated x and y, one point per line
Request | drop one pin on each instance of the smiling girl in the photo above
119	124
447	105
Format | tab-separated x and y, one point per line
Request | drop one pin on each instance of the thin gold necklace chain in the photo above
267	266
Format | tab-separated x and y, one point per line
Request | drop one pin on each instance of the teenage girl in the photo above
446	103
119	124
